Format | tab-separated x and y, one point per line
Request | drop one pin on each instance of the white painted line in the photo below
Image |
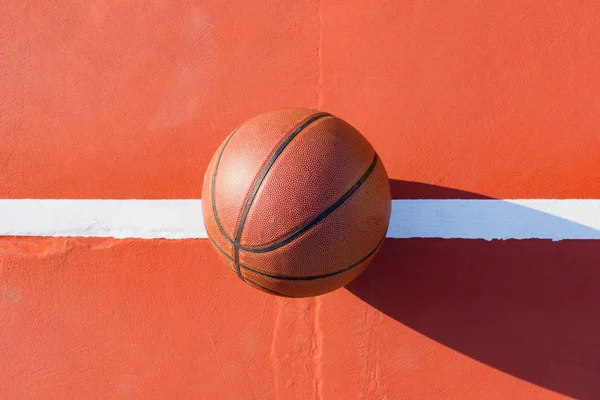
496	219
182	219
146	219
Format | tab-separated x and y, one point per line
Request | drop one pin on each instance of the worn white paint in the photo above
182	219
496	219
147	219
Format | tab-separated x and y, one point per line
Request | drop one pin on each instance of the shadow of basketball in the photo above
530	308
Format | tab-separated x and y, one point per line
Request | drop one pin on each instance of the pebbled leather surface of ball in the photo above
296	202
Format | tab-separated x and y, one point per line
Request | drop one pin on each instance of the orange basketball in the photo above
296	202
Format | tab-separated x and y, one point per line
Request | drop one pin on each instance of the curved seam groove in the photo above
329	210
303	278
246	279
315	277
212	187
265	164
259	181
267	289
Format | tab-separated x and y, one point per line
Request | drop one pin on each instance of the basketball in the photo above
296	202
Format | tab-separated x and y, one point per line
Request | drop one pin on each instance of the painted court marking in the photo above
182	219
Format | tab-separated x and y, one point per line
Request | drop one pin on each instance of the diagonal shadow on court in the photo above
530	308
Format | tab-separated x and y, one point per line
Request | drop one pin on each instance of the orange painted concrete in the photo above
96	318
110	99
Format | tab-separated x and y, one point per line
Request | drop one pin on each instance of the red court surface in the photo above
129	100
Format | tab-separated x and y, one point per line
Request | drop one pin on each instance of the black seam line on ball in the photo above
315	277
212	186
302	278
246	278
214	204
319	217
259	181
267	289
